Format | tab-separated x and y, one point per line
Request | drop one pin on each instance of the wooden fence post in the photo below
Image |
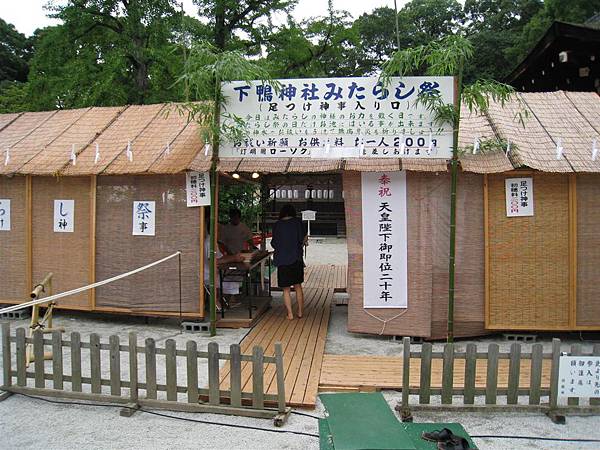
115	365
448	374
470	374
535	380
213	373
171	369
235	375
280	374
405	373
258	393
21	358
133	368
38	355
191	349
514	369
76	385
425	381
95	364
6	355
554	373
57	360
150	369
491	381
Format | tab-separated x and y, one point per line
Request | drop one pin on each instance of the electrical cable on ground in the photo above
300	433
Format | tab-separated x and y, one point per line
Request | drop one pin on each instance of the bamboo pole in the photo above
214	208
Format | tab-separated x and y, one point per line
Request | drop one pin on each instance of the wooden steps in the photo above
303	342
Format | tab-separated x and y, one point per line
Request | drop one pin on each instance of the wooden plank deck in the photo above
369	373
303	342
322	276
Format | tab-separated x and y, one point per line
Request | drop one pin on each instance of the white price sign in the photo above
519	197
197	188
64	216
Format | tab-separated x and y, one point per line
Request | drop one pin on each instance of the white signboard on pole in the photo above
519	197
64	216
197	187
579	376
384	240
4	214
339	118
143	218
309	216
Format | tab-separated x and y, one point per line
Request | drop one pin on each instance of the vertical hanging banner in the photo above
143	218
197	188
384	240
519	197
4	214
64	216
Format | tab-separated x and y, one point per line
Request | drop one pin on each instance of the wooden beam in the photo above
572	250
92	240
202	234
486	237
28	236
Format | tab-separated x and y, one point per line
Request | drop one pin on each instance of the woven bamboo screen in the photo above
13	257
66	255
588	250
529	258
177	228
470	257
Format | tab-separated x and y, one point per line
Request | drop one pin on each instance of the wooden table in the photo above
243	271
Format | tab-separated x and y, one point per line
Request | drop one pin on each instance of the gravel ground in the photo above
76	426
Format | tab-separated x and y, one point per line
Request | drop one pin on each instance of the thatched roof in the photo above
162	140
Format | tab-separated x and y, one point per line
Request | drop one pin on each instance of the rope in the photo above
385	321
85	288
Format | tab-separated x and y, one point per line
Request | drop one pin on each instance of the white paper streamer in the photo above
402	145
7	157
594	150
206	149
129	152
361	147
559	149
430	142
73	155
475	145
327	147
97	155
507	147
168	149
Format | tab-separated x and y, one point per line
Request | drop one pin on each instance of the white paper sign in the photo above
579	376
143	218
64	216
339	118
384	240
307	214
197	187
4	214
519	197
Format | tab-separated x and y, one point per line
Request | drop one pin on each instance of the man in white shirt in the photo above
234	235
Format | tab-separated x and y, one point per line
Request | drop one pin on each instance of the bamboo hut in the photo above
524	273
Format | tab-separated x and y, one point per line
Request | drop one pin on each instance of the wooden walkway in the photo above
370	373
322	276
303	342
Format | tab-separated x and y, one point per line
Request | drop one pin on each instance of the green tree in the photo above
14	53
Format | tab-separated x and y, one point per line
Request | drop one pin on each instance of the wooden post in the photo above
258	394
76	362
491	381
535	377
213	373
133	368
171	369
57	360
6	355
448	374
38	355
95	363
470	374
280	374
92	249
115	365
425	381
572	250
192	371
150	369
553	398
235	375
575	351
21	358
201	261
514	368
405	373
28	233
486	240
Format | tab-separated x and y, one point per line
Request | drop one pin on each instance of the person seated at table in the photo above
230	288
234	235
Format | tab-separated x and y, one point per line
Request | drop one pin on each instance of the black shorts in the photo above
290	275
